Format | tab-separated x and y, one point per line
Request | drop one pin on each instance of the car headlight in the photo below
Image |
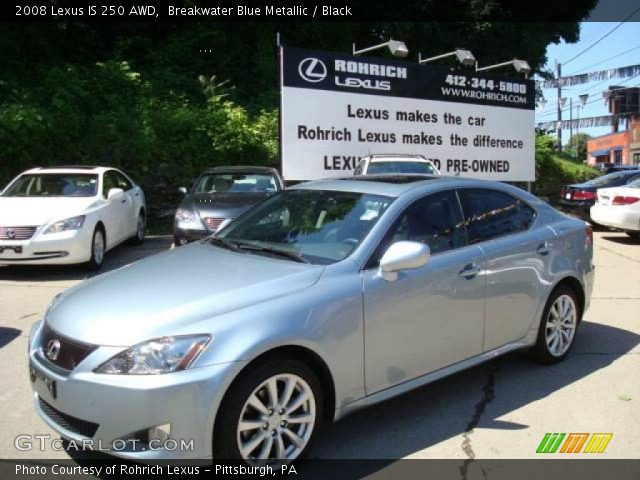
160	355
73	223
187	219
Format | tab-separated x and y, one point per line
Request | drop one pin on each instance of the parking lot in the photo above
499	410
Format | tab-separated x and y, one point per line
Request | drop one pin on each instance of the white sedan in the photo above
619	207
69	215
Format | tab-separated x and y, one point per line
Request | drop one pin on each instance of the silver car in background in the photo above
323	299
220	195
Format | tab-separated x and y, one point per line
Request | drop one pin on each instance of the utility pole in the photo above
559	124
571	120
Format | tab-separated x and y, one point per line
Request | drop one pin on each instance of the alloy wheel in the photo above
561	325
277	421
140	227
98	247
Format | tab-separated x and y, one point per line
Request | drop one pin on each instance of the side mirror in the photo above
403	255
114	192
182	190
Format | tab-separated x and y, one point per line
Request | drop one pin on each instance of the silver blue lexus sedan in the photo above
320	300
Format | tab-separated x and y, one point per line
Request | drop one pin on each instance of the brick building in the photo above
620	148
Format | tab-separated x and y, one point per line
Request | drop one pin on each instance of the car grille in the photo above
17	233
68	422
70	352
213	222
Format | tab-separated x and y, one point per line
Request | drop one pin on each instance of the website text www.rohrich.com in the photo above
482	95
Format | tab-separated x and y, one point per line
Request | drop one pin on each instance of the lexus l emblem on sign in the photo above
11	233
53	349
312	70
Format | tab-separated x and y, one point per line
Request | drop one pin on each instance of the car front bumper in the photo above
70	247
123	406
615	217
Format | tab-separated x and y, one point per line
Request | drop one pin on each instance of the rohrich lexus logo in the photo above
11	233
53	349
312	70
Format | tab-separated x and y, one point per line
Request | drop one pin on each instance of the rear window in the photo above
401	167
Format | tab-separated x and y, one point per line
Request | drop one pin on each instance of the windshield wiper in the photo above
283	253
224	243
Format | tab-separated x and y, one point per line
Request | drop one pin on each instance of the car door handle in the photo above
544	248
469	271
124	200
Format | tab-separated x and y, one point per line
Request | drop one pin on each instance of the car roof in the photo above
69	169
240	168
391	185
397	157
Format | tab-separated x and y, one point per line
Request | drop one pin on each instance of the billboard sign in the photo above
337	108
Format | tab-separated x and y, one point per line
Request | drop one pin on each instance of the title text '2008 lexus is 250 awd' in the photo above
322	299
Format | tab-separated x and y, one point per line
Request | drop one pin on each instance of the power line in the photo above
606	60
566	109
594	33
603	37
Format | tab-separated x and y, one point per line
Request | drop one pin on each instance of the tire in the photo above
141	226
268	431
633	235
553	348
98	249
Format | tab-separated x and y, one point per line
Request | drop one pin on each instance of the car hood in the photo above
233	203
165	293
21	211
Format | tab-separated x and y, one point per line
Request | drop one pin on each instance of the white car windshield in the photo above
401	167
54	185
318	226
235	183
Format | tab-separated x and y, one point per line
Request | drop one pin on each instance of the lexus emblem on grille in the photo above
11	233
53	349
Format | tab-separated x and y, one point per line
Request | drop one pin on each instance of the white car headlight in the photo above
160	355
187	219
73	223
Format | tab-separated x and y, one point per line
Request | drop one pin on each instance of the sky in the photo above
607	53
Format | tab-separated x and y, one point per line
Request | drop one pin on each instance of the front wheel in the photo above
558	326
270	414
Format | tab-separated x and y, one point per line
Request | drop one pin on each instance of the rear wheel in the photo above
270	415
141	226
558	326
98	248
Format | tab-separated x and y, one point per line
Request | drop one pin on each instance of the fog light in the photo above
160	433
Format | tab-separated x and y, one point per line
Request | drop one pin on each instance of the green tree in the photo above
578	145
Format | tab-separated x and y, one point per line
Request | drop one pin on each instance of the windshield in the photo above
54	185
320	226
401	167
235	183
607	179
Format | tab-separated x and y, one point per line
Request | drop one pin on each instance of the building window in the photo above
636	158
617	157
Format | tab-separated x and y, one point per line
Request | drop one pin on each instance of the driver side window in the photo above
109	181
435	220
